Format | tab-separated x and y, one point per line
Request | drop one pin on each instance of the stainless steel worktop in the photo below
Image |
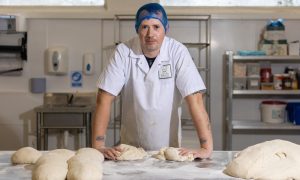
148	168
65	108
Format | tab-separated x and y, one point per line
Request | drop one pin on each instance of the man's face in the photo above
151	33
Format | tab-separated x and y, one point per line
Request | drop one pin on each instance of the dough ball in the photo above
84	172
50	171
25	155
160	155
82	169
63	152
54	155
78	161
131	153
90	153
172	154
86	164
276	159
52	165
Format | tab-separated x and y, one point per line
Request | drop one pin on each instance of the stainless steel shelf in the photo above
266	92
63	127
202	69
273	59
258	125
197	45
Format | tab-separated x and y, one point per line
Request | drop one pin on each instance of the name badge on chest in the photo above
165	71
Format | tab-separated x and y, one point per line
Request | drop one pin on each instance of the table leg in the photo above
86	129
38	131
45	139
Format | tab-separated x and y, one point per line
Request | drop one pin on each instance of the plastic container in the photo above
253	83
273	111
277	81
265	75
253	69
293	111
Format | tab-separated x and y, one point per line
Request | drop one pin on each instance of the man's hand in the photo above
111	152
201	153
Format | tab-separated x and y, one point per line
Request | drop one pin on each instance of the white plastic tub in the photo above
273	111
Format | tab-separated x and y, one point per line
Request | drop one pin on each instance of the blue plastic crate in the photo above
293	110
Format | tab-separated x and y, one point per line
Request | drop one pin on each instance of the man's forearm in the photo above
101	119
203	128
201	121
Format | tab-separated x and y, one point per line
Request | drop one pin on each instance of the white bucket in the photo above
273	111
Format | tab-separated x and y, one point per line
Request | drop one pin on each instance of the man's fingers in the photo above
183	151
116	153
118	148
111	154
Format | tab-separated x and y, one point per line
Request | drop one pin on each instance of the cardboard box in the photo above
239	69
274	49
294	48
267	86
239	83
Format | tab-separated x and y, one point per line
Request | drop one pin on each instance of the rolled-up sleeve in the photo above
112	79
188	79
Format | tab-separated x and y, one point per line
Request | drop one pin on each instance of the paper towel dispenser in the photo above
56	60
10	26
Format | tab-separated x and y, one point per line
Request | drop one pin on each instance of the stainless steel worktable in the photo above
85	112
148	168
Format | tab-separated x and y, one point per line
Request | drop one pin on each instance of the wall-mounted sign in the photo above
76	79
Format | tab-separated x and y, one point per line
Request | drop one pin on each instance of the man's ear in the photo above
167	29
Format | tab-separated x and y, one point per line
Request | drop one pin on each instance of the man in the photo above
154	73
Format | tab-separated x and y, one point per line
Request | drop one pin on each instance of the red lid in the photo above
273	102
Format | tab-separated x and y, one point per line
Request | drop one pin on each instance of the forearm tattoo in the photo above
100	138
203	141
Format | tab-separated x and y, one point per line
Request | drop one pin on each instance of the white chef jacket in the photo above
151	97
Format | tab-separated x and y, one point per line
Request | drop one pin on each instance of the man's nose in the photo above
150	32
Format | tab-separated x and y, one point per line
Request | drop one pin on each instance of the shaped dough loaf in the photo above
276	159
86	164
25	155
131	153
52	165
172	154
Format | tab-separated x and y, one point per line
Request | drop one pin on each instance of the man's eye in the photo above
144	27
156	26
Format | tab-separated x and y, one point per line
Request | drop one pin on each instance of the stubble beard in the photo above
151	48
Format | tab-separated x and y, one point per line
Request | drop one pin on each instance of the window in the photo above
222	3
52	2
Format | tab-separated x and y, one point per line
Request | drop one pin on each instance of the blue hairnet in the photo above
151	10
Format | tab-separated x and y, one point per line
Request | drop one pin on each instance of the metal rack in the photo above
238	126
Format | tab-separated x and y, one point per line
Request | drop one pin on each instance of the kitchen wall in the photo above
17	117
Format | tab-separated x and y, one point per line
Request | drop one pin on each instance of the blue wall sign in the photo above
76	79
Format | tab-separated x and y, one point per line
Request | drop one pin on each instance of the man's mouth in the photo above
150	41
